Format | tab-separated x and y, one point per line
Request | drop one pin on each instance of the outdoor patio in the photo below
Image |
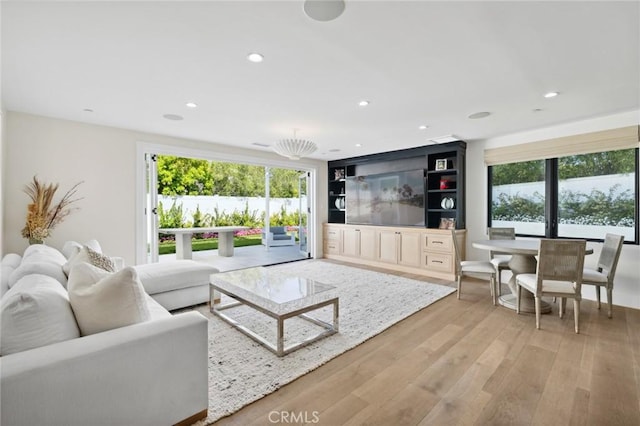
245	257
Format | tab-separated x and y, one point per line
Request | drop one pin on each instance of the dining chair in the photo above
473	267
559	274
603	275
501	261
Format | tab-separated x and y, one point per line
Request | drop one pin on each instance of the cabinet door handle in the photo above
436	261
436	242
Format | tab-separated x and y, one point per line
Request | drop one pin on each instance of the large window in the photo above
596	195
578	196
518	196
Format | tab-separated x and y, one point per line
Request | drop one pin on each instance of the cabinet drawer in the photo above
332	234
438	262
438	242
332	247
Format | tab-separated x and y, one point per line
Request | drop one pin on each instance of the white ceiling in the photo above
418	62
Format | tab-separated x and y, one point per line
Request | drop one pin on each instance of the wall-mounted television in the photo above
394	199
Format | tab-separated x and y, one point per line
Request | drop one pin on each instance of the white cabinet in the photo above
350	242
331	240
401	247
409	248
388	246
438	253
416	250
368	243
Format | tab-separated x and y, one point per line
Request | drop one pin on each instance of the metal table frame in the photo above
279	349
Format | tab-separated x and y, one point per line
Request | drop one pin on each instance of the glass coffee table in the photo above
277	295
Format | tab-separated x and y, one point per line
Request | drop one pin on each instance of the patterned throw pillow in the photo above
91	256
100	260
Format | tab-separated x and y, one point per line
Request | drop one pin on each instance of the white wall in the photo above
627	283
104	158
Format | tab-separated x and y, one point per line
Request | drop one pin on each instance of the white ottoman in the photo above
176	284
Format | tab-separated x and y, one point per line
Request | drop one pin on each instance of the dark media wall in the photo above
442	166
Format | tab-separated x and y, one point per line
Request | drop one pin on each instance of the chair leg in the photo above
499	283
610	301
492	284
576	314
598	295
563	306
459	285
492	289
537	300
560	313
518	297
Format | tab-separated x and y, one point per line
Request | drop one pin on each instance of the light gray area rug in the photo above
242	371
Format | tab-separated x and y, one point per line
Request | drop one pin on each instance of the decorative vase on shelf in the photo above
33	240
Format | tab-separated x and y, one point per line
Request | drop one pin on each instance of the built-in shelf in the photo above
450	155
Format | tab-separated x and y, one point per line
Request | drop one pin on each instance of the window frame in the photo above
551	186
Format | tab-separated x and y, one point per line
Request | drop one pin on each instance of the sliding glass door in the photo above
304	212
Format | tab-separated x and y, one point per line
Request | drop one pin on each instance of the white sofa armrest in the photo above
151	373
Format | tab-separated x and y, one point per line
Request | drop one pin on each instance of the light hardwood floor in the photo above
464	362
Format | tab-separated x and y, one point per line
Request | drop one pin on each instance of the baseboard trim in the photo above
191	420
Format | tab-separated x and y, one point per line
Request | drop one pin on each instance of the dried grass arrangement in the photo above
42	213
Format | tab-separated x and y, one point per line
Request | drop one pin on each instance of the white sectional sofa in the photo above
152	371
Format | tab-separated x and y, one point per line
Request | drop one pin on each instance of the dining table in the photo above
523	261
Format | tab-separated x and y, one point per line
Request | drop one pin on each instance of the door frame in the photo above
306	177
144	147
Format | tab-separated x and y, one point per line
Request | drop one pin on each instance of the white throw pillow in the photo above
88	255
9	263
71	248
40	259
11	259
53	270
35	312
37	253
102	301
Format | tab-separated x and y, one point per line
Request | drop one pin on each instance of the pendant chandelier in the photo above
294	148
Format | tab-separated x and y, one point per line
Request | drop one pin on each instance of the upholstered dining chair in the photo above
559	274
473	267
501	261
603	275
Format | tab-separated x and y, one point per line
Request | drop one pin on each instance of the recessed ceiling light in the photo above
445	139
482	114
423	127
551	94
174	117
191	105
255	57
363	103
358	145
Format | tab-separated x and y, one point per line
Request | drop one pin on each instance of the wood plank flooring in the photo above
467	362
